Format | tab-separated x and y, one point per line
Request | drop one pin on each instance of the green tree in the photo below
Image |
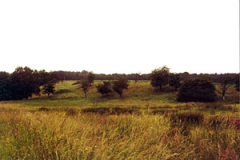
5	93
197	90
104	88
48	88
174	81
84	85
23	83
119	85
136	77
91	77
159	77
225	83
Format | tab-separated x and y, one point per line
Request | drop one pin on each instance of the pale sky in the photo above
120	36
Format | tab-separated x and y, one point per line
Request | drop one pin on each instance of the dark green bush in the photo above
197	90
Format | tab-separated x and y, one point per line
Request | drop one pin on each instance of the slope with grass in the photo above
144	124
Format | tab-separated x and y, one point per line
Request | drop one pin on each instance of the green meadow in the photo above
144	124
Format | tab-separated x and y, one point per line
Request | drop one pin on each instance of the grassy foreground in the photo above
158	127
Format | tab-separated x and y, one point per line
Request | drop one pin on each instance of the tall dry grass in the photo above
60	135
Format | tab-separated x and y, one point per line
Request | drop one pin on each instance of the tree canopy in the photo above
197	90
237	83
119	85
86	83
159	77
104	88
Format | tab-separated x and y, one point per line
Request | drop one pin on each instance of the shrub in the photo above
120	85
197	90
104	88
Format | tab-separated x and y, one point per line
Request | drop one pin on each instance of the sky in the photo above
120	36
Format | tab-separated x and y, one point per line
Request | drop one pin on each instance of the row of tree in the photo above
199	88
161	77
70	75
105	88
24	82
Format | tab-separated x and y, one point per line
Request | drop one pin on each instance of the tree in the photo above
120	85
23	83
225	83
104	88
197	90
159	77
48	88
43	77
91	77
174	81
84	75
237	83
136	77
85	85
5	93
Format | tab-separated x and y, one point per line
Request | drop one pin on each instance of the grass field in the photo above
144	124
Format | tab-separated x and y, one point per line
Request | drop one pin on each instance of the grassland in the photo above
144	124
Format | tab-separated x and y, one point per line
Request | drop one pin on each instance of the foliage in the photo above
120	85
136	77
5	93
197	90
159	77
225	83
237	83
85	85
104	88
174	81
23	83
91	77
48	88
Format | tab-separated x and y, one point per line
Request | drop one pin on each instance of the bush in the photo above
104	88
197	90
120	85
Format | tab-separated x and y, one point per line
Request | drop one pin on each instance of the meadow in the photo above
144	124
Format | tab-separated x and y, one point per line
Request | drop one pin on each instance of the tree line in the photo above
24	82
